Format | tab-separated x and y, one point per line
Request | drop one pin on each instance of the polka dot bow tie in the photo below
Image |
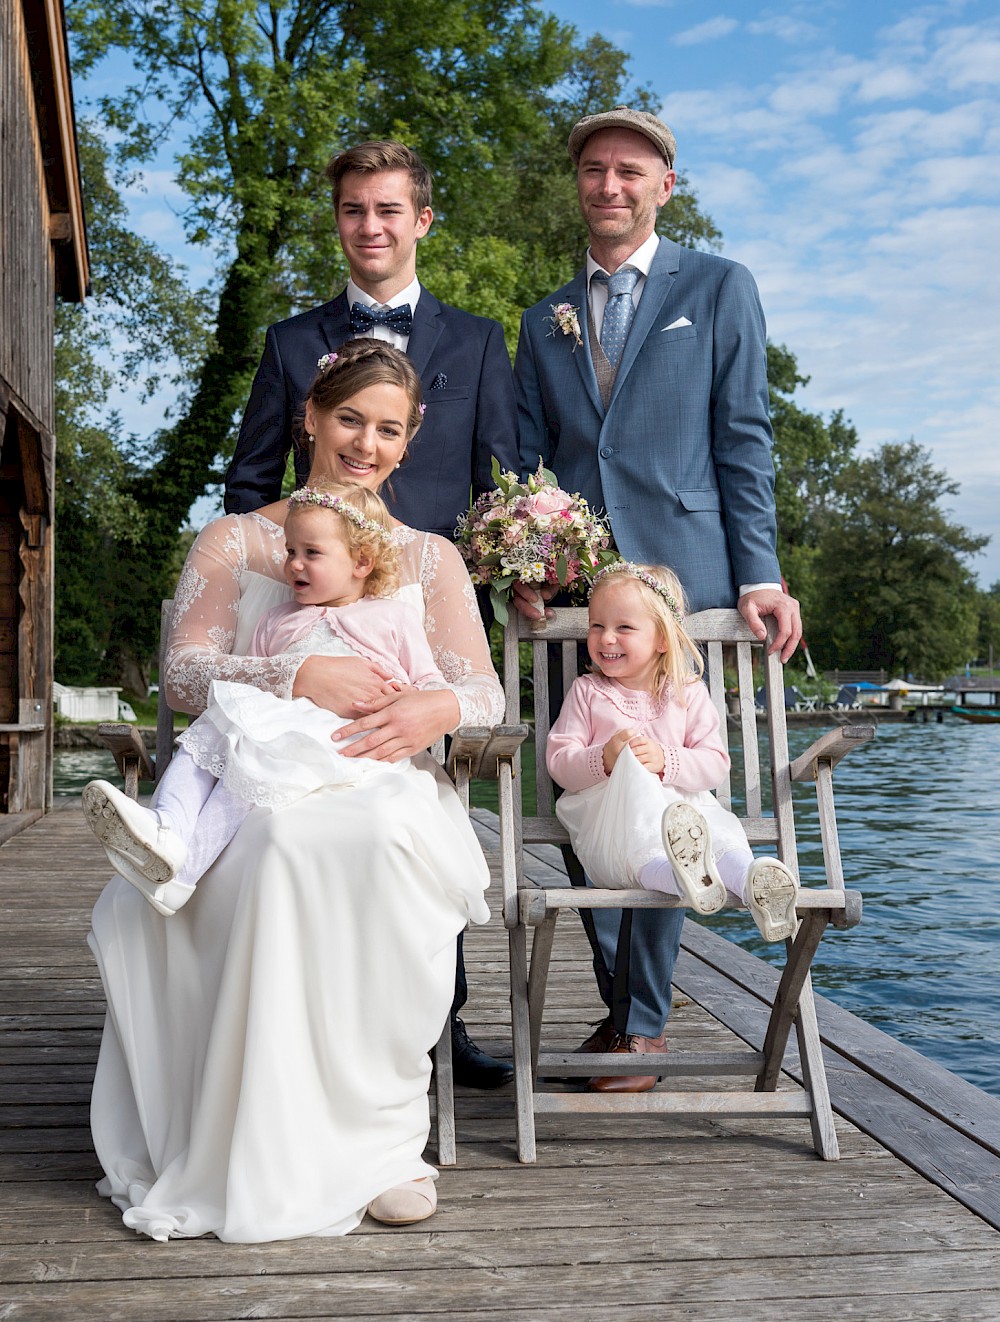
398	319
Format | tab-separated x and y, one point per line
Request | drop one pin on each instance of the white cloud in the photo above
711	30
969	57
785	28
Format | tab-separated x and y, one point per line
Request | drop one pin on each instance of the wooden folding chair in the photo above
464	757
528	905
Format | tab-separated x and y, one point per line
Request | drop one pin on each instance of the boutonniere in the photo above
564	318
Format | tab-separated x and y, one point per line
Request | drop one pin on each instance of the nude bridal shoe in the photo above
415	1200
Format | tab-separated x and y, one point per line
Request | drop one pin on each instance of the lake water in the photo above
919	816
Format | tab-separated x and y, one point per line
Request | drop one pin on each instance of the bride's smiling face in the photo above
361	440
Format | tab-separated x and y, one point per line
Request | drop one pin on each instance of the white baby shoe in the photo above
138	848
772	893
688	843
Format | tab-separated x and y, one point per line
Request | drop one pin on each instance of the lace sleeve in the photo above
204	626
455	631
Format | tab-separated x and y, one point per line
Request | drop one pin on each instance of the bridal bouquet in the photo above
532	532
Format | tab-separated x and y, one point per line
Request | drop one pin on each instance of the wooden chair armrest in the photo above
829	748
126	744
483	747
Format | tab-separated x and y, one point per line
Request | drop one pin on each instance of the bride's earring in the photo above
399	462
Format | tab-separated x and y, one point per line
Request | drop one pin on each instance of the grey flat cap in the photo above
623	117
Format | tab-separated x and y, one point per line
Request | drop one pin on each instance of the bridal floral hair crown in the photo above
327	501
645	578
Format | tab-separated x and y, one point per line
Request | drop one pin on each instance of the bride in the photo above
264	1067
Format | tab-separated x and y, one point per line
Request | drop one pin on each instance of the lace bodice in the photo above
233	573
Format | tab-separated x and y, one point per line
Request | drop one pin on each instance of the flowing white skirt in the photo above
264	1067
614	826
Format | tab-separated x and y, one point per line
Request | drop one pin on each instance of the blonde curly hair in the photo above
374	541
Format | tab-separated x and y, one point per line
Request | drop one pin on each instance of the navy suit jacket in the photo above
468	388
681	458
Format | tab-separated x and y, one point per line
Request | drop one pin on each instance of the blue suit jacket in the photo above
681	460
468	419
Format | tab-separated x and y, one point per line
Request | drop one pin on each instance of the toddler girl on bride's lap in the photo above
250	748
637	747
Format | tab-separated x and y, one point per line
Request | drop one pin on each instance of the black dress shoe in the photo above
474	1068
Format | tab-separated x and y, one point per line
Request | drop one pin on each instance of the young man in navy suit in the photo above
654	405
382	204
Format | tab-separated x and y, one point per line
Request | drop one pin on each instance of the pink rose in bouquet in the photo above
532	532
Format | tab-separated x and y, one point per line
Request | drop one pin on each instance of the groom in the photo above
647	393
382	205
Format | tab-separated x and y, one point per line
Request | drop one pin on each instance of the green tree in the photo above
809	455
138	320
898	594
483	89
988	645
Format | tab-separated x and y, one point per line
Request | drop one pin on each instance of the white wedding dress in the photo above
264	1068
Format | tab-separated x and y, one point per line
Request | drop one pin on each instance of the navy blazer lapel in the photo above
428	324
335	323
657	287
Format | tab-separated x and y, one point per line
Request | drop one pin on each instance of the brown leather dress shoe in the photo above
635	1045
602	1038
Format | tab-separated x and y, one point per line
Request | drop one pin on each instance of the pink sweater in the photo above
382	629
596	708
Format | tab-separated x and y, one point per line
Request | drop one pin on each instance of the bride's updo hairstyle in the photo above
359	364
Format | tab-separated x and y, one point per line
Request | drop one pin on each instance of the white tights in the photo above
732	867
200	810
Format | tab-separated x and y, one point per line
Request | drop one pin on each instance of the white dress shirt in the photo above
597	295
355	294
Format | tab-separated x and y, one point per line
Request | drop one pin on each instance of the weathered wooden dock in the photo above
649	1218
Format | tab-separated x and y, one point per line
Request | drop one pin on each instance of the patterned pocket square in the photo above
676	325
439	382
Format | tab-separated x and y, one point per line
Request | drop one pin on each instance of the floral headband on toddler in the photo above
325	500
645	578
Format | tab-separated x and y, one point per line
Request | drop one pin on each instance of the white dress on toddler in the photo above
615	826
269	751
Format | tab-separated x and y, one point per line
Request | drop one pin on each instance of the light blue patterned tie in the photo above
619	312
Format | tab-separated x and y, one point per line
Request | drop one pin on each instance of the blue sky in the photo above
850	154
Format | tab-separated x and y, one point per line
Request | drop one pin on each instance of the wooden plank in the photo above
524	1288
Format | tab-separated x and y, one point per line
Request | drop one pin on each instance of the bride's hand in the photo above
344	685
400	724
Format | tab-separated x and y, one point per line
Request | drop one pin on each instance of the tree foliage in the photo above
897	593
809	455
139	319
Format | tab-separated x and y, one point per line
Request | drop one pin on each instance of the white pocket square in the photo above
676	325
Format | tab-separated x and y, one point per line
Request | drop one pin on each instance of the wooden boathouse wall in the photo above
43	256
